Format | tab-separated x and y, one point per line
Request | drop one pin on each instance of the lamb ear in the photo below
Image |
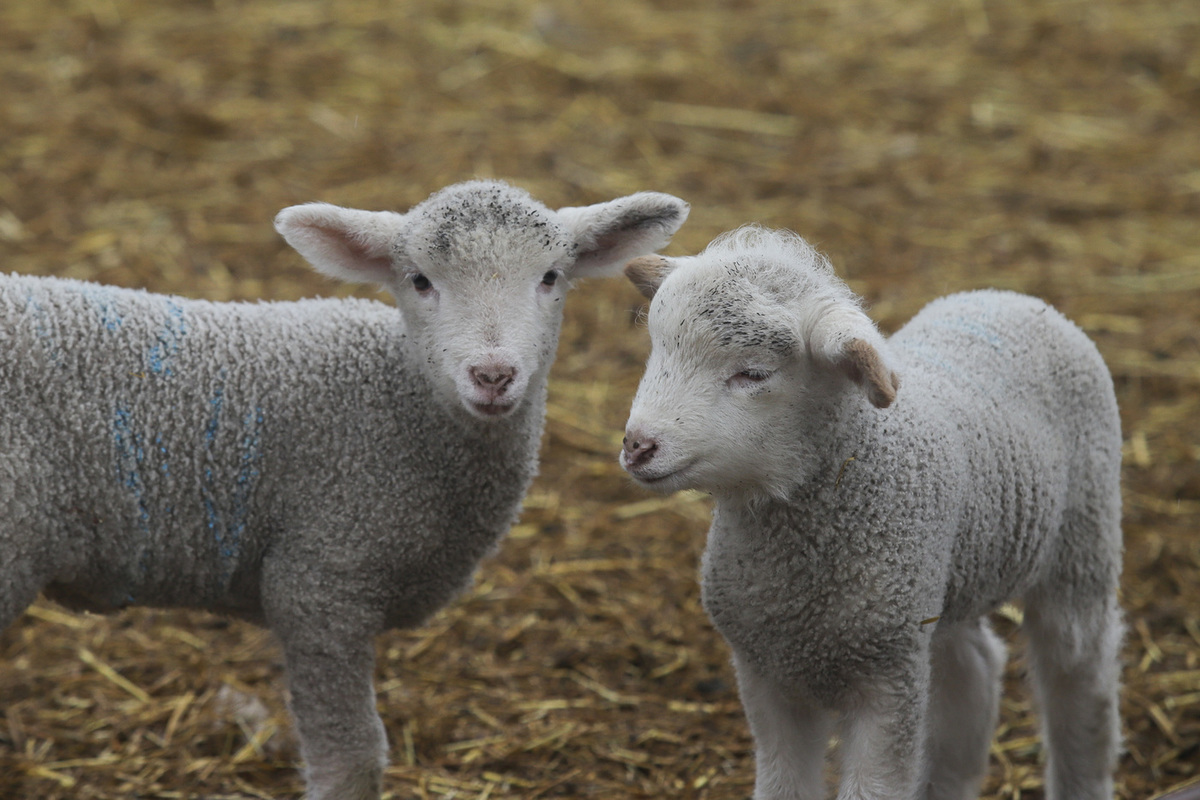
648	272
343	243
610	234
864	364
848	340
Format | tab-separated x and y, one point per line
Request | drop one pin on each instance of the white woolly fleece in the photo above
859	541
328	468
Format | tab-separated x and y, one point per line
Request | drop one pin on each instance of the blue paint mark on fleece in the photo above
210	436
933	357
218	400
41	327
972	328
130	456
165	466
158	359
227	508
129	451
101	299
247	475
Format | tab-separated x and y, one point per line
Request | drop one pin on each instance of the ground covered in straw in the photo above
1050	146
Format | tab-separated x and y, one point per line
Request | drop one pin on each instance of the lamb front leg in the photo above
342	738
790	738
883	754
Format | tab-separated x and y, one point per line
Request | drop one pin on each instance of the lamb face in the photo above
726	375
481	282
479	272
752	342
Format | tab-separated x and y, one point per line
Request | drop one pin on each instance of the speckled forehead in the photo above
487	227
722	306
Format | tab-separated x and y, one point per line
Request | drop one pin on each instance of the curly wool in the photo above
164	443
328	468
875	500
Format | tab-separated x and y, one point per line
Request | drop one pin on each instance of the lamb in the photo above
875	498
326	468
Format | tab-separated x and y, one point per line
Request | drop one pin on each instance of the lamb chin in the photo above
664	483
490	411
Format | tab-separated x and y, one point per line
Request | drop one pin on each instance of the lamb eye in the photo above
550	278
750	377
421	283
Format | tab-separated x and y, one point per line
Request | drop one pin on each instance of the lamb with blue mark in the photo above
109	363
327	468
876	498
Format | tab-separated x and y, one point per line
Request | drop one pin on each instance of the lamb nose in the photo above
639	449
492	377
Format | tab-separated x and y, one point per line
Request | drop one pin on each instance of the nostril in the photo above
639	450
492	377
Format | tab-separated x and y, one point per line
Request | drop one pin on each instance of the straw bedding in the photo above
1049	147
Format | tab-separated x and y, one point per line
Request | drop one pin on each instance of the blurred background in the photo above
928	146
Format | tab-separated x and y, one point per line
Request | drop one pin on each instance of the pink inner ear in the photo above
865	366
604	251
354	258
360	250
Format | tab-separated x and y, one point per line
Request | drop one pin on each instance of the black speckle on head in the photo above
469	212
482	211
738	316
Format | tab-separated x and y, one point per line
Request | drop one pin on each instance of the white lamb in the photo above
875	499
327	468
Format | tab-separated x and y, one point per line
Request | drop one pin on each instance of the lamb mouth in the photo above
494	410
653	480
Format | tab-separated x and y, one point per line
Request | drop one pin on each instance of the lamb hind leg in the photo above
964	704
17	593
790	739
20	578
19	582
1076	676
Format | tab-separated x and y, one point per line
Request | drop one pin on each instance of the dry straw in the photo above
1044	146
